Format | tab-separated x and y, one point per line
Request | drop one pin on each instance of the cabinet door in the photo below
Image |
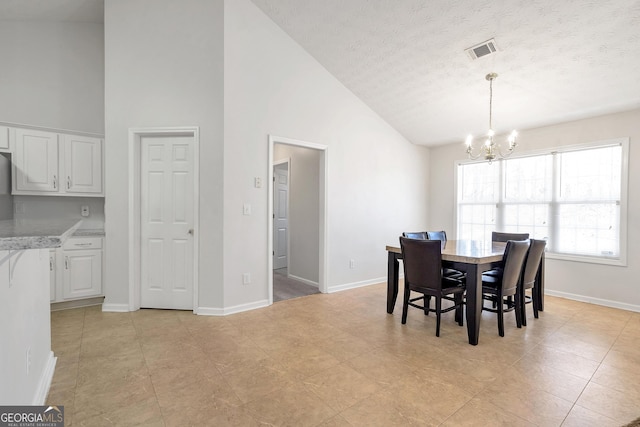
52	274
36	161
83	164
82	274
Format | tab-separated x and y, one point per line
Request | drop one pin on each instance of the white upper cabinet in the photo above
83	164
36	161
47	163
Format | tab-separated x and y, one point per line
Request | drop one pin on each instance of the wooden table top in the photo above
467	251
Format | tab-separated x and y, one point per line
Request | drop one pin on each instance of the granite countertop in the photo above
18	234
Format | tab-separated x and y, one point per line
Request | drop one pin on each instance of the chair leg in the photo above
438	312
523	310
518	301
405	303
459	309
501	317
427	304
534	302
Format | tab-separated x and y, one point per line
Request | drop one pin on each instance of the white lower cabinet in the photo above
52	274
77	269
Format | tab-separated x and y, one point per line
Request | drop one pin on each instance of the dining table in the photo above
473	257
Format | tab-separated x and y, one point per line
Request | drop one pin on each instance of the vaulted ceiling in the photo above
557	60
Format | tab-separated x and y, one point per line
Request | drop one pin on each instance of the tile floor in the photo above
341	360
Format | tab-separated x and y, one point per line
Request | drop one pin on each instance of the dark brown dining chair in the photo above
531	267
442	236
422	260
419	235
504	290
497	236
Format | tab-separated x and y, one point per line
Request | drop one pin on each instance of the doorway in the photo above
163	218
315	242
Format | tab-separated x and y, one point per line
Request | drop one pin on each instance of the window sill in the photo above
618	262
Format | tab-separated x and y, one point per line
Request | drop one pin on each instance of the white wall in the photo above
52	74
304	209
609	285
376	179
46	207
163	67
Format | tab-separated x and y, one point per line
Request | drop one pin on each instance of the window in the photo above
573	197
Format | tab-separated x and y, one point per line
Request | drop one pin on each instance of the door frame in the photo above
324	169
286	161
135	169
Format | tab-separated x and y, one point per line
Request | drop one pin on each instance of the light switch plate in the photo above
246	209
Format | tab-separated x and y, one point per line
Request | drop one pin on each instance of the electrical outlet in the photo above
84	210
258	182
246	278
352	263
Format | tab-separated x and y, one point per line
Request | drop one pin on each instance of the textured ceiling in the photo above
52	10
559	60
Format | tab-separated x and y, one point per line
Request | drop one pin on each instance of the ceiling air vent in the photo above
482	49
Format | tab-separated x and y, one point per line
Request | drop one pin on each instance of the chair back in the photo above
513	259
534	256
437	235
497	236
420	235
422	260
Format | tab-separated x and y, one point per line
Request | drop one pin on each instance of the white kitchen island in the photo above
26	361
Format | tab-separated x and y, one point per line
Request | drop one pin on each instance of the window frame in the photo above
623	142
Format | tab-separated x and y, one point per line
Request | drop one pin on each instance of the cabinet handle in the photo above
50	263
82	244
68	182
55	182
66	263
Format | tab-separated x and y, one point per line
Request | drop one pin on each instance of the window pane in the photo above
529	179
478	182
476	221
589	229
529	218
591	174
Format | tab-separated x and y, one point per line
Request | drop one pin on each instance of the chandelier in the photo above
490	149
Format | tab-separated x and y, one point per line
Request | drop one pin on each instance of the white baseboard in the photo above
210	311
355	285
45	380
592	300
116	308
305	281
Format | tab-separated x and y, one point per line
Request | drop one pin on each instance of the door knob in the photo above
191	231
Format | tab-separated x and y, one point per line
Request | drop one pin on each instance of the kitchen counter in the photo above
89	232
16	234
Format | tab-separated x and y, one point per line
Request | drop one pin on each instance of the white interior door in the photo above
166	223
280	215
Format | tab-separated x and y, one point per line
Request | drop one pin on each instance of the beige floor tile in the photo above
253	381
610	403
582	417
562	361
625	381
532	404
340	360
341	387
291	406
481	413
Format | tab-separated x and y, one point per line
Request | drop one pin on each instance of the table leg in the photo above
392	280
474	302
